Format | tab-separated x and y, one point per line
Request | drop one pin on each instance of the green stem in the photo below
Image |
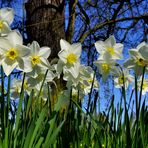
2	104
136	97
8	99
42	84
90	94
140	96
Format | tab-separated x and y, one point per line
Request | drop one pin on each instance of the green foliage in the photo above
32	126
40	125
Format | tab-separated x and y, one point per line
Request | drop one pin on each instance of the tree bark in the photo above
45	23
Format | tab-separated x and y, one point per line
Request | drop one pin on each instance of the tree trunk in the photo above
45	23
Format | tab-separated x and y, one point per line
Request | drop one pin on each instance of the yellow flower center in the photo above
26	84
83	86
144	86
141	62
111	50
121	80
105	67
75	96
12	54
90	80
1	24
35	60
17	89
40	77
71	58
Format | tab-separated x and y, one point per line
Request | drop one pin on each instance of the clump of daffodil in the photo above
83	84
16	88
105	65
37	59
122	78
13	53
6	18
138	58
111	47
36	82
87	80
69	54
69	58
44	95
109	51
144	86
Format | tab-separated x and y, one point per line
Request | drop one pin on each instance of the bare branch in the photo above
99	26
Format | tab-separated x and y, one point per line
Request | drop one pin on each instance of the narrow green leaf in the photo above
142	131
29	102
38	145
38	125
6	140
29	134
53	136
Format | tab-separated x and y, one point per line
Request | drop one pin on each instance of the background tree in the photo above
45	21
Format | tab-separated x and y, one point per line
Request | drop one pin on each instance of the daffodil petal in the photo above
62	55
45	52
110	42
118	47
35	47
4	45
76	48
44	62
24	65
134	53
5	29
7	14
23	50
143	50
100	47
64	45
15	38
8	66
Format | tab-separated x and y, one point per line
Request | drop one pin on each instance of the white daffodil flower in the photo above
139	58
12	53
6	18
105	65
144	86
122	78
69	62
86	80
59	68
69	54
73	71
37	59
16	88
44	93
36	82
111	47
83	81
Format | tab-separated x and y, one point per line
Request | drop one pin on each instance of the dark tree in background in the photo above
45	21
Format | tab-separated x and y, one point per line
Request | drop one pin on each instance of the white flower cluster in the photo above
33	60
107	63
